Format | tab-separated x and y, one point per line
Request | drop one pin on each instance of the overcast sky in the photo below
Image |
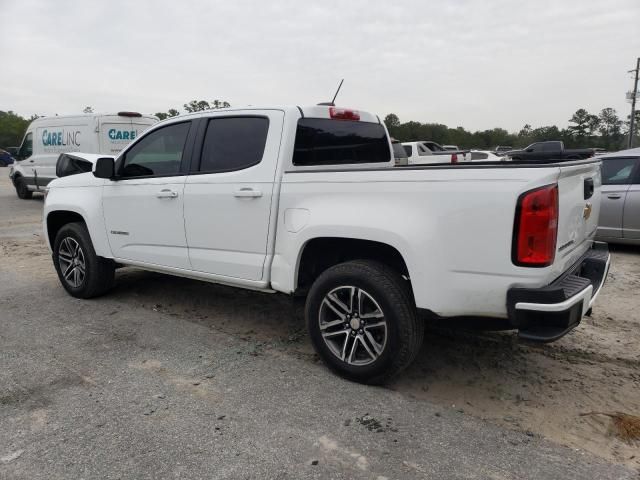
476	64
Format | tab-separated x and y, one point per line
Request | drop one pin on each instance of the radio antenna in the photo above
333	102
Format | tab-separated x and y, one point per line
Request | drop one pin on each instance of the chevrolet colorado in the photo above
307	201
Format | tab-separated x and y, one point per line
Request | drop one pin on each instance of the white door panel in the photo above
144	220
227	214
226	229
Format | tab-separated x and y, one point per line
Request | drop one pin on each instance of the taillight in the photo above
454	158
536	227
343	114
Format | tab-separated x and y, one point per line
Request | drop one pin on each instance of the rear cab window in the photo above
321	141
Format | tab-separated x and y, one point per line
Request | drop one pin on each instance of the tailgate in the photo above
579	210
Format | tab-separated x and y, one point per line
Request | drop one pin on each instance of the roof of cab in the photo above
632	152
313	111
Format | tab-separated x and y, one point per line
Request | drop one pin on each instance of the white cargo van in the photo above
48	137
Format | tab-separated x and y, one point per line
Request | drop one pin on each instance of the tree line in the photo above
604	130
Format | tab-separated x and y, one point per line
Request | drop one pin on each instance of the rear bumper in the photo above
548	313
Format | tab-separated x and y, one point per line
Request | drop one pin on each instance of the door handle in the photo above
166	193
247	192
614	196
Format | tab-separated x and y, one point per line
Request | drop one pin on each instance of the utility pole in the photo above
634	94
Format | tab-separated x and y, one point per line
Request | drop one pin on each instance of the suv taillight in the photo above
454	158
536	227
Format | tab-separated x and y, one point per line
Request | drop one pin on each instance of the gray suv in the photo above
620	207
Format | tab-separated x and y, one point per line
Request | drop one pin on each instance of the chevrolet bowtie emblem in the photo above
586	212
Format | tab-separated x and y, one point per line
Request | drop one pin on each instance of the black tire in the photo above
98	274
22	190
383	285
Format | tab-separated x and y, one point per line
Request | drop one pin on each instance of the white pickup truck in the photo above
306	201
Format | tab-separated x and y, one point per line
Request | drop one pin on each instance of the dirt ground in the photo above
539	389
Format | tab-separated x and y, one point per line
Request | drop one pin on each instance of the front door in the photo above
228	196
616	175
143	206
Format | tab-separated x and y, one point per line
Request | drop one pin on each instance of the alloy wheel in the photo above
72	262
353	325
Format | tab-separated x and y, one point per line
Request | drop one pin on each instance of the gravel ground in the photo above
172	378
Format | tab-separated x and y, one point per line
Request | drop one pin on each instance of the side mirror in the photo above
105	168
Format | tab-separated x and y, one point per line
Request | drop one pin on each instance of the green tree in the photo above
200	105
610	123
87	110
12	128
172	112
525	131
581	121
593	124
391	121
636	127
610	128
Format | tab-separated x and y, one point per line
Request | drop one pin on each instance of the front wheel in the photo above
363	322
82	273
22	190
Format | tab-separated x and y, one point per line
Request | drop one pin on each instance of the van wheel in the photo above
82	273
22	190
363	322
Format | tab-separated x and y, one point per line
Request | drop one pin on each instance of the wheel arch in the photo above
320	253
59	218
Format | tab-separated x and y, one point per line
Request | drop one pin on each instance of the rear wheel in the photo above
22	190
82	273
363	322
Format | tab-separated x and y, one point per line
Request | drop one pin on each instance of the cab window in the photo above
26	149
157	154
233	143
617	171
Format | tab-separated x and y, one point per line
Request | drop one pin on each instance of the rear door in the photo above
616	178
631	216
228	196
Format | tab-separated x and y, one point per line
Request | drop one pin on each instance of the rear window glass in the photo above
617	171
233	143
322	141
408	149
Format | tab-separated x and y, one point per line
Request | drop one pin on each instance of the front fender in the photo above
84	201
